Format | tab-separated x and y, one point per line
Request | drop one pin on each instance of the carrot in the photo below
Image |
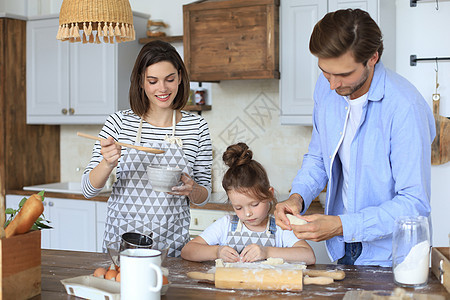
25	218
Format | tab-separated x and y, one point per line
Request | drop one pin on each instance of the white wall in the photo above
423	31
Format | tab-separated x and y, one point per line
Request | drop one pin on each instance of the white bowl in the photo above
163	179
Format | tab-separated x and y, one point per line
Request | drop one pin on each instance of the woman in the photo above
159	90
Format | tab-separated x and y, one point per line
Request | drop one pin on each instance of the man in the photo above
371	142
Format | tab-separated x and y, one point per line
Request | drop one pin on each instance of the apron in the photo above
135	207
239	240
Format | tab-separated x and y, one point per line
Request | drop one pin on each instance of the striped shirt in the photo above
123	126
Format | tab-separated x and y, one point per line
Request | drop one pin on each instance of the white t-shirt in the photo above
353	120
217	233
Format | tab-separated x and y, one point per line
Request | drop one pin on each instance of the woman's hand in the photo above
253	253
111	152
186	188
227	254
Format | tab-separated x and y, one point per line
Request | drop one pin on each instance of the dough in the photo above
219	263
295	220
273	261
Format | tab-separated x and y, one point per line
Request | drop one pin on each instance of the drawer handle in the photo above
195	221
64	111
71	111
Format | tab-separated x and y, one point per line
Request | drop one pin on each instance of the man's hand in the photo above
319	228
293	205
253	252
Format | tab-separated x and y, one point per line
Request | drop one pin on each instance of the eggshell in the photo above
118	277
111	275
100	272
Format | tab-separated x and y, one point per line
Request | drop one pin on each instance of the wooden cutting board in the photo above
440	149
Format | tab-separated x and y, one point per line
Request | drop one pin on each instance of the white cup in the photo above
140	274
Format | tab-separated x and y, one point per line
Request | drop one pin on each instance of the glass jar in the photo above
411	251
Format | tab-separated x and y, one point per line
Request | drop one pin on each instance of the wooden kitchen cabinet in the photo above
29	155
73	222
299	67
232	39
76	83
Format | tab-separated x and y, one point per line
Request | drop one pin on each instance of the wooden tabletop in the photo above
58	264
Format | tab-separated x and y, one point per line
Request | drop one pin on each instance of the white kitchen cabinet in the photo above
73	222
202	218
101	208
76	83
299	70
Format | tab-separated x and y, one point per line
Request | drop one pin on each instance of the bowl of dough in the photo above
163	178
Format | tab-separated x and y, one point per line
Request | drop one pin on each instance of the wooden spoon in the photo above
140	148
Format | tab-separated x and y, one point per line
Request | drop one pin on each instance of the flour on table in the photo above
295	220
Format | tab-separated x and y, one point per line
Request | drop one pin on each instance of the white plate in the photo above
90	287
95	288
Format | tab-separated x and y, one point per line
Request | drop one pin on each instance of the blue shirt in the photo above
390	163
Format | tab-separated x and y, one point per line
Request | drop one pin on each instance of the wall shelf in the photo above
169	39
198	108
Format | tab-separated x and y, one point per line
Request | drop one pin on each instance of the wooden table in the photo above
58	264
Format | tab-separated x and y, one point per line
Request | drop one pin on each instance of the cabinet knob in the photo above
64	111
50	203
195	221
71	111
45	203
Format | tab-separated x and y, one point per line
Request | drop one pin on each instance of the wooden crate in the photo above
231	39
20	266
440	265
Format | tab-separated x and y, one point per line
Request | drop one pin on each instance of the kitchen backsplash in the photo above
242	111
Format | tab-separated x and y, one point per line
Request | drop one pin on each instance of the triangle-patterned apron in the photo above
237	239
135	207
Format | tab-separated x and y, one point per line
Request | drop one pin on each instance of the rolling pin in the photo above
259	279
335	274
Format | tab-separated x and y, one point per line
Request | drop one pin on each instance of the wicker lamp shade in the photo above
92	21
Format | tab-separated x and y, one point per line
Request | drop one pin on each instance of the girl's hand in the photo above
227	254
186	188
253	253
111	152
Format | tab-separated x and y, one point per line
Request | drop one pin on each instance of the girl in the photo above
159	90
251	234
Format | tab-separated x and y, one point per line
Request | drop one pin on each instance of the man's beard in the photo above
348	90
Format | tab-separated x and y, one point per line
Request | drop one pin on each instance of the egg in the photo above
100	272
118	277
111	275
165	280
113	267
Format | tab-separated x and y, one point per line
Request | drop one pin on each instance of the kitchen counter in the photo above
58	264
217	203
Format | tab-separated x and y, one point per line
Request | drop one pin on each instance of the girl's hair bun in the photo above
237	155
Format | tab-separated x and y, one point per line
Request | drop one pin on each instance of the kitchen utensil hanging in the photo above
140	148
440	148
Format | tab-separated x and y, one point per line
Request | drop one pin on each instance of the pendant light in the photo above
94	21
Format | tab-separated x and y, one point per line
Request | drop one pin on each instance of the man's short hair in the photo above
344	30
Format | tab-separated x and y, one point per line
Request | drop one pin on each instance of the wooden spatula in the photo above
140	148
260	279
